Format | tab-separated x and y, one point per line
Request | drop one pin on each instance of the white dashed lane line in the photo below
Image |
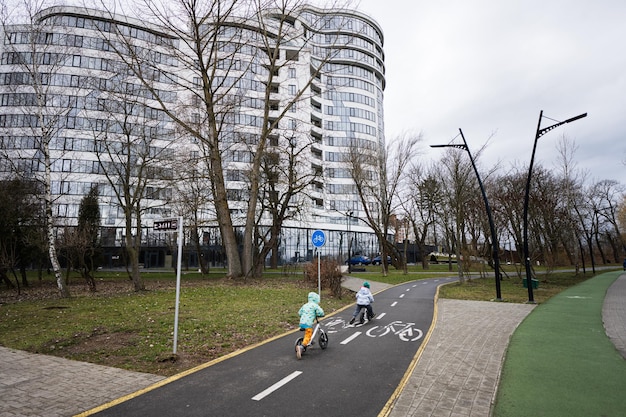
350	339
276	386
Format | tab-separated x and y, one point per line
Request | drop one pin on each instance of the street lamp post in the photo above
494	238
540	132
348	216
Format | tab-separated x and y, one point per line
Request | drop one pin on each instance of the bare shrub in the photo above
330	275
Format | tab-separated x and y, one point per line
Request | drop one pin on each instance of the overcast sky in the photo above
490	66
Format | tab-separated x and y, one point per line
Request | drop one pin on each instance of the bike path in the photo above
561	361
364	363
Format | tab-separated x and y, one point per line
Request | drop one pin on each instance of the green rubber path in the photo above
560	362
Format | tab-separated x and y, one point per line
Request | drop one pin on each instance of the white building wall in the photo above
343	107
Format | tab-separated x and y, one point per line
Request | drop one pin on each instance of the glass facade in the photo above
66	91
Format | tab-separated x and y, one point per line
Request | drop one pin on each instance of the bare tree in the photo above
507	204
39	59
132	157
20	228
457	176
192	197
621	217
421	204
283	188
234	53
378	178
608	193
572	192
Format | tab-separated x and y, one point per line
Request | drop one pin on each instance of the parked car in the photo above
359	260
378	260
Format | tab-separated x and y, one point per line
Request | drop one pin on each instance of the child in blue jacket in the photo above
308	312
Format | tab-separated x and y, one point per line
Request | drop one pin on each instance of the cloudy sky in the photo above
490	66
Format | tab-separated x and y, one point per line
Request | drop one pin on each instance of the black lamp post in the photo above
494	238
540	132
348	216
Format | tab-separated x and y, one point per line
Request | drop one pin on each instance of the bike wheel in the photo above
299	348
323	340
362	315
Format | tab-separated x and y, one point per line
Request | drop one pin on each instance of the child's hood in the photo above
314	297
364	291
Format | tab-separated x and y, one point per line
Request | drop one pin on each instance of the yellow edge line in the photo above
405	379
188	372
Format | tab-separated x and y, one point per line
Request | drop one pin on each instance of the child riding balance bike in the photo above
364	300
309	313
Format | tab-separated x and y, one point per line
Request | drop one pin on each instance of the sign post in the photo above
170	225
318	238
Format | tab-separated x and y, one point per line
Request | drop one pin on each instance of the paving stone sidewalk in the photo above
40	385
614	314
457	373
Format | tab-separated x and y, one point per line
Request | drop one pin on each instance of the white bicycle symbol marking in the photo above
318	239
330	324
405	331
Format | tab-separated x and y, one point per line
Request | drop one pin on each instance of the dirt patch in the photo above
105	342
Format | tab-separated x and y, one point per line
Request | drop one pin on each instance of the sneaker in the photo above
373	315
352	321
298	351
361	321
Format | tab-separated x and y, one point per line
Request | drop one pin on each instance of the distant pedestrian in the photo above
364	298
624	264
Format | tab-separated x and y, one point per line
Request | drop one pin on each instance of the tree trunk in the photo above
135	275
274	258
228	237
54	260
56	267
23	275
52	252
133	253
86	269
5	278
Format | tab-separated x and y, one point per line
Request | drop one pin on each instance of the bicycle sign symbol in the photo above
405	331
318	238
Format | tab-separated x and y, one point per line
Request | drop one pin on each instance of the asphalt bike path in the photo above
356	375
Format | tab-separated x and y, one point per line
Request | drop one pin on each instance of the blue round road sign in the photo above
318	238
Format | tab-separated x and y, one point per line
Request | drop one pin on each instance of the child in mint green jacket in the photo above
308	312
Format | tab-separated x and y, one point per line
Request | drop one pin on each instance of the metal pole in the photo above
494	237
319	273
179	261
348	215
540	132
531	298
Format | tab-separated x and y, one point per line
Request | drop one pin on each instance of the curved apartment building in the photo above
67	94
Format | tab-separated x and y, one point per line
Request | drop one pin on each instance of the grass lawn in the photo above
117	326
